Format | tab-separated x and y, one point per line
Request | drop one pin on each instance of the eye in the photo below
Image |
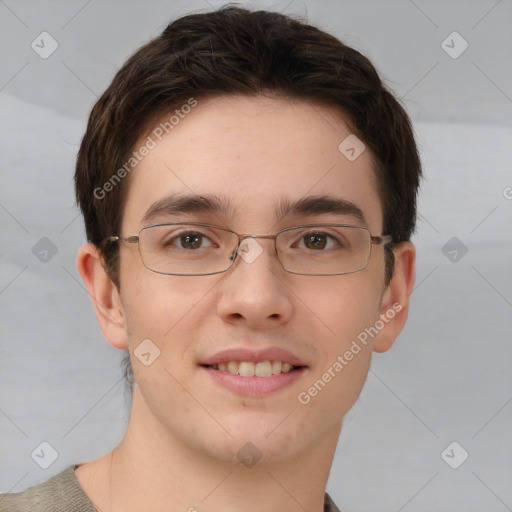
315	241
319	240
188	240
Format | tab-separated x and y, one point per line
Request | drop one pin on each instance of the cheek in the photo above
159	307
167	311
343	305
342	310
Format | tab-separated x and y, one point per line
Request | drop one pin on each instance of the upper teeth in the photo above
250	369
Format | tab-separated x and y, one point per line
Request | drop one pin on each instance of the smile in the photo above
262	369
257	373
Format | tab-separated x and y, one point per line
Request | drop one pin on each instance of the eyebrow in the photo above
180	203
318	205
311	205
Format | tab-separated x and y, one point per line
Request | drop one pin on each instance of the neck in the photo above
159	472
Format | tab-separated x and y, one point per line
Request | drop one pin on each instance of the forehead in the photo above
258	155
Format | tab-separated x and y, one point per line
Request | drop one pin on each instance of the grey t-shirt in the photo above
63	493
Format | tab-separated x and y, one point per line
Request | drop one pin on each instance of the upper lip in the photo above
255	356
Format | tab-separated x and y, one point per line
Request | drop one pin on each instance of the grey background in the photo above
448	376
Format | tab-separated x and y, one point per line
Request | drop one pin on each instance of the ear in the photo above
395	298
105	297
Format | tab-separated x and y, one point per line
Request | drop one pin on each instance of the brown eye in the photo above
191	240
315	241
186	240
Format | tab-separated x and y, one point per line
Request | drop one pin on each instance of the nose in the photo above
254	291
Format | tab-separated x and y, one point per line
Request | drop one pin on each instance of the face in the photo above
254	154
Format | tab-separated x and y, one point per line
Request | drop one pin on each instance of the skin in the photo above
185	429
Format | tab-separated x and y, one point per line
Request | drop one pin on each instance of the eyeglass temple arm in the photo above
130	239
381	240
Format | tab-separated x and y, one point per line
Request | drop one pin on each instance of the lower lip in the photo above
255	386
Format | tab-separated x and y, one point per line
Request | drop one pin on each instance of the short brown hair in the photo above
237	51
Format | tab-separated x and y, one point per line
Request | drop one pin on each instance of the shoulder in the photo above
329	505
60	493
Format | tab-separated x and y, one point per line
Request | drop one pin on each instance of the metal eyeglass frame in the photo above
134	239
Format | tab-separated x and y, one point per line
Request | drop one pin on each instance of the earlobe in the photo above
396	296
104	295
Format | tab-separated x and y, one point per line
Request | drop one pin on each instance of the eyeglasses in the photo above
197	249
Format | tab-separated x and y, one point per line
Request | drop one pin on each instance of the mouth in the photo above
254	373
262	369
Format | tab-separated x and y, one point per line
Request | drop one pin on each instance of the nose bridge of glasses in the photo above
242	237
250	235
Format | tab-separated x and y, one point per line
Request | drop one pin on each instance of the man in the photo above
249	192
